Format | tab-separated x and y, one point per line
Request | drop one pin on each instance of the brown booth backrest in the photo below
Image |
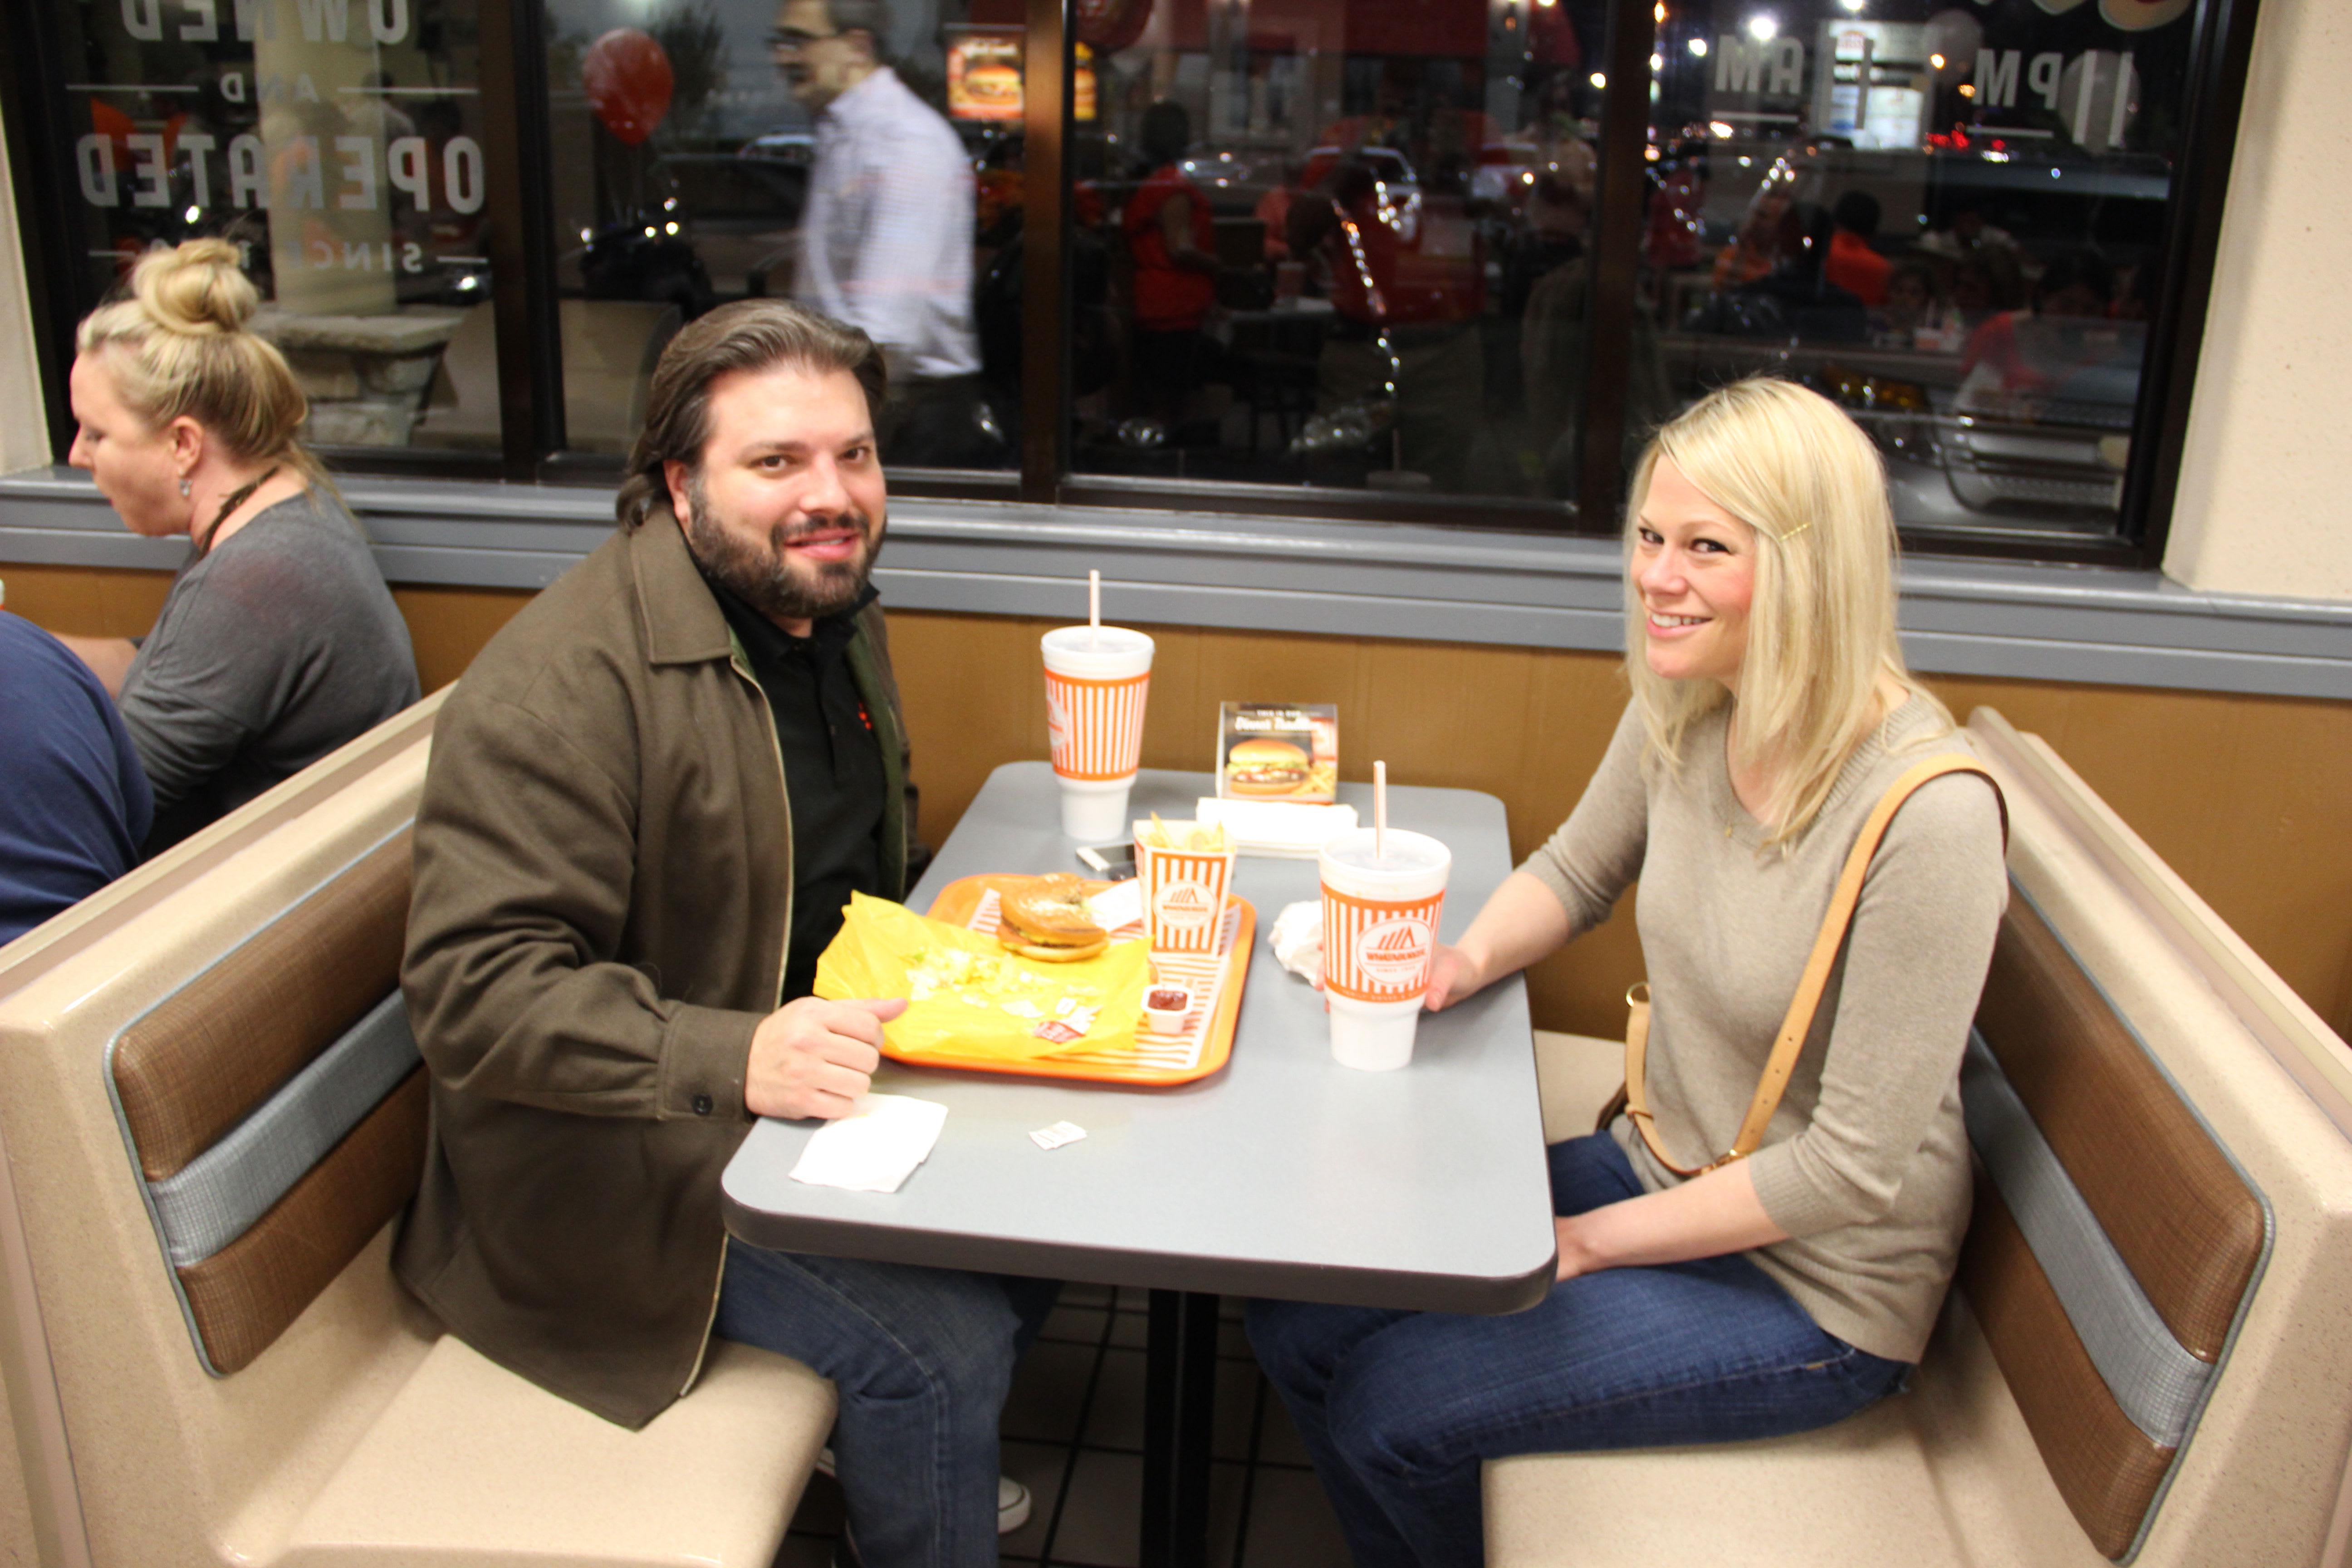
2183	1219
197	1065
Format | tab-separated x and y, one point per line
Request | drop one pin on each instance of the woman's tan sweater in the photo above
1865	1164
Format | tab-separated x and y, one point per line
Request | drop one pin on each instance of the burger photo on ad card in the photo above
1278	751
1267	766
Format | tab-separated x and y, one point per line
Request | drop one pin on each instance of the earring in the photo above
187	486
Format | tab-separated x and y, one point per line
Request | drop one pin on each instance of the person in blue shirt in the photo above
74	801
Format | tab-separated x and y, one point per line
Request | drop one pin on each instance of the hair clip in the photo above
1792	534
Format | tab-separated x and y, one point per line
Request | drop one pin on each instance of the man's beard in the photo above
767	580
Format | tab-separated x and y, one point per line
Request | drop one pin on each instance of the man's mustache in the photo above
785	534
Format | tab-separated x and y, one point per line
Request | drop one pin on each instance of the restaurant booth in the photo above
211	1111
1381	469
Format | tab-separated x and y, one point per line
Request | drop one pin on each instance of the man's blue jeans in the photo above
922	1358
1398	1409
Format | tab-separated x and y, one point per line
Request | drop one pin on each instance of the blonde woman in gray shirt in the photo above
278	641
1703	1299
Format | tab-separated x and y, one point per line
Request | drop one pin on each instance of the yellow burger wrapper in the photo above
967	997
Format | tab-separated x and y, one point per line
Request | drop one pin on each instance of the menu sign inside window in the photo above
1272	751
984	76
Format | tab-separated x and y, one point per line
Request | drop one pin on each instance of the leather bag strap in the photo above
1799	1022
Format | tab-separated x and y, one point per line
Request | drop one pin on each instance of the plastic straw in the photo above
1094	609
1379	811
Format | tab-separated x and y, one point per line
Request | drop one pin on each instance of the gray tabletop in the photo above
1282	1175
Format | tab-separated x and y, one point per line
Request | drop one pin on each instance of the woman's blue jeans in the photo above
922	1358
1399	1409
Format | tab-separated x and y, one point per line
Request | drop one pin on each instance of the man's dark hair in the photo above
1858	213
750	334
871	18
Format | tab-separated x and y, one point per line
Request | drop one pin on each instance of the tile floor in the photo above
1074	1436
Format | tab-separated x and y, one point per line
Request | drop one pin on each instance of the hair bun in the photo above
195	288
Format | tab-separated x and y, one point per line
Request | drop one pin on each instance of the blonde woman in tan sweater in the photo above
1791	1288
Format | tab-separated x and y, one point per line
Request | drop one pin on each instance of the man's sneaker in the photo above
1012	1505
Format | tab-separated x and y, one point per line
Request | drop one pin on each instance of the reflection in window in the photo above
1948	219
341	146
861	158
1335	242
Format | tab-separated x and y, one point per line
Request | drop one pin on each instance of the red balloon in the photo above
628	80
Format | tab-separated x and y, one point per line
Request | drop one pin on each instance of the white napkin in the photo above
876	1147
1297	938
1276	829
1119	904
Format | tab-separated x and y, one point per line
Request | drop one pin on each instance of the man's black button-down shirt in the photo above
833	771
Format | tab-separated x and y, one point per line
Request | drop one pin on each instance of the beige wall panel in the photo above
449	625
2260	505
2241	794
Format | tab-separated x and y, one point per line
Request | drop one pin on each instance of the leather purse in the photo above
1799	1022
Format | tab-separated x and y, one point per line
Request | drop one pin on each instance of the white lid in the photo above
1408	853
1102	639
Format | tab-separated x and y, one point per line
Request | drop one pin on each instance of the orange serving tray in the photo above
1202	1047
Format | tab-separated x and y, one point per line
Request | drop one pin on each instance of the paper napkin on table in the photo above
1297	938
1276	829
876	1147
1120	904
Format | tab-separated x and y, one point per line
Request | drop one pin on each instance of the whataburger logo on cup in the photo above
1095	726
1375	950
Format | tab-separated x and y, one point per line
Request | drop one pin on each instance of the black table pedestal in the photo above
1179	1406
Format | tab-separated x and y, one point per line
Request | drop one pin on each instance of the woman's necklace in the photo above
236	498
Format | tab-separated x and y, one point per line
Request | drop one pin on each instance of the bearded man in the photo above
648	803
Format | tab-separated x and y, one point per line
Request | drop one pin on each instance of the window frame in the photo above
35	114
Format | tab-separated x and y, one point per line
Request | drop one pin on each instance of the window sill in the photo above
2029	621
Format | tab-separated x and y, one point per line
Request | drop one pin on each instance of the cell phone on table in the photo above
1112	862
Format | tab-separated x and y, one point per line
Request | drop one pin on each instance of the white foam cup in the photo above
1098	680
1379	932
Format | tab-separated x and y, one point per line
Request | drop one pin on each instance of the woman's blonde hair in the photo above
178	345
1820	626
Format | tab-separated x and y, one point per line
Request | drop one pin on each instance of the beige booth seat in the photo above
2199	1113
206	1357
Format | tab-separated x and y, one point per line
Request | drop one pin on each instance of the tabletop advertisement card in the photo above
1278	750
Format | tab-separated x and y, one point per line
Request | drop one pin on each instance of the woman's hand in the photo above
1522	922
1705	1217
1453	974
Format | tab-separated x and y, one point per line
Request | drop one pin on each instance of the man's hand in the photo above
814	1057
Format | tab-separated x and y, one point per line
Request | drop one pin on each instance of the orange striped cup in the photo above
1379	932
1097	680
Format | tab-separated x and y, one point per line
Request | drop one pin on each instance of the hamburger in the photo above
1266	766
993	86
1049	921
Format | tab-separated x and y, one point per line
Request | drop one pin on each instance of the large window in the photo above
848	156
1342	246
1444	261
339	143
1951	220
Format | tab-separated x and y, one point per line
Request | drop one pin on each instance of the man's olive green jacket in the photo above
604	890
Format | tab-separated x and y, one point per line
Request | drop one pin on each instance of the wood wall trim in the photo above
2239	795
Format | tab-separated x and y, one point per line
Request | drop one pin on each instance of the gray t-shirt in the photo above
271	651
